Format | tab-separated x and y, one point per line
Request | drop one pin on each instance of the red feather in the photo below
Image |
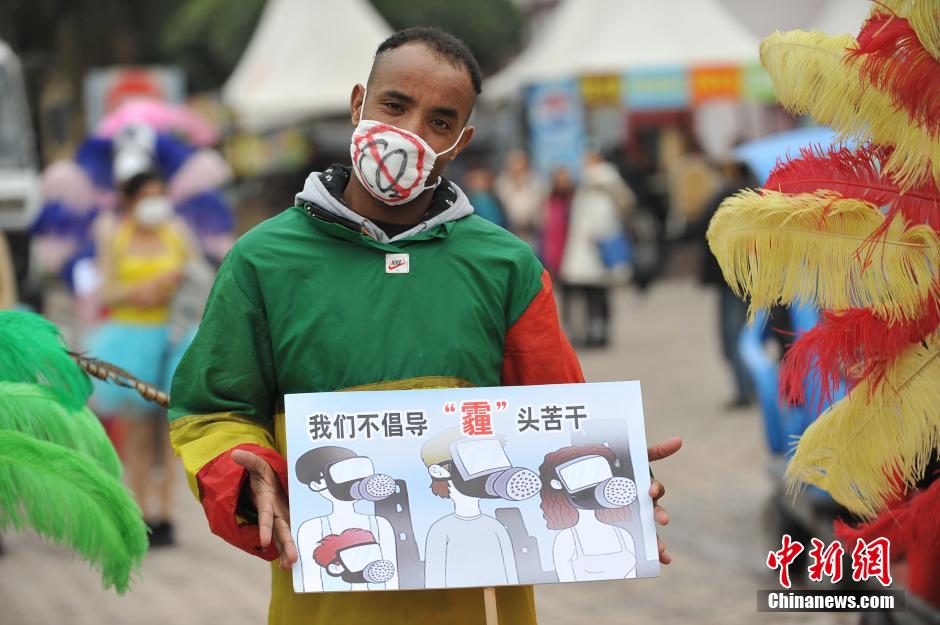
857	174
849	346
894	60
913	527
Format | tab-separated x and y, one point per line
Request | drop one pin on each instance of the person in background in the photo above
600	203
557	215
732	312
142	251
692	180
522	195
647	223
7	276
479	183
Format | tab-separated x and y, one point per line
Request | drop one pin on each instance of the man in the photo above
732	310
378	278
467	535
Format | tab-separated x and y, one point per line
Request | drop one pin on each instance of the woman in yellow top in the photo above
142	252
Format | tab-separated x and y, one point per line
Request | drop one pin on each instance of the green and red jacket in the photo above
304	303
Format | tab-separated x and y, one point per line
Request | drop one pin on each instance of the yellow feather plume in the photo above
868	444
901	8
811	74
778	249
924	17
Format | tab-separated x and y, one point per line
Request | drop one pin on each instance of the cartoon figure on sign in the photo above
343	478
355	557
582	498
467	547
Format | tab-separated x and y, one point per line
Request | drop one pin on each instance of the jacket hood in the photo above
324	189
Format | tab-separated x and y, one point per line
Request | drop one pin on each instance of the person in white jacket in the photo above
601	202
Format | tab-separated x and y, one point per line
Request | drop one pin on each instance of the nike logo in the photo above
397	263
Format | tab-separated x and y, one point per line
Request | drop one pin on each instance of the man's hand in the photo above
657	490
271	502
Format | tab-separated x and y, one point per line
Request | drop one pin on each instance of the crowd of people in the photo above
612	224
578	229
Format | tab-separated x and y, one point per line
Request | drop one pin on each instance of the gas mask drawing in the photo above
361	564
480	468
355	478
590	484
354	556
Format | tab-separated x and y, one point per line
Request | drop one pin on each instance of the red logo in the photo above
783	558
872	559
827	561
869	560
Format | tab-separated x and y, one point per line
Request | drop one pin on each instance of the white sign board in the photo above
469	487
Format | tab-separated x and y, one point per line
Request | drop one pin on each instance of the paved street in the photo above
717	488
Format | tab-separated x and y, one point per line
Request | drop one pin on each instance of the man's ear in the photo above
438	472
356	102
464	141
334	569
555	484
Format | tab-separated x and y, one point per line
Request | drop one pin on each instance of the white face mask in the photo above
153	211
393	164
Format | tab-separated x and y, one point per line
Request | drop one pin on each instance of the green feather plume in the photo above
33	350
73	502
35	410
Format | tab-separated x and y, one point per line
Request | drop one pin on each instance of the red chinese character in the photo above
872	559
826	562
783	558
476	418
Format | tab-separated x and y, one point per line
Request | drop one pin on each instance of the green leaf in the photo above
61	495
33	350
35	410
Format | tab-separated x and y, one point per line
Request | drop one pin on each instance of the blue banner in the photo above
556	126
656	88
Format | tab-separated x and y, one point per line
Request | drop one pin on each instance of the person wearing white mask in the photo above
141	252
378	277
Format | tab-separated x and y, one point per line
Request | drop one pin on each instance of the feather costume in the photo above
856	231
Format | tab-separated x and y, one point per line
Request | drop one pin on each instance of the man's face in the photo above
415	89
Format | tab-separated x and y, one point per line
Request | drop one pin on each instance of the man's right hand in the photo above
271	502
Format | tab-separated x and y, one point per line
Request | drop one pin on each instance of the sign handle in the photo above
489	603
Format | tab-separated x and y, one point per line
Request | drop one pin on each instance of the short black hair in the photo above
311	466
132	186
444	44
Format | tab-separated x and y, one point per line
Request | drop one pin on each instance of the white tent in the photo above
829	16
585	37
838	17
303	60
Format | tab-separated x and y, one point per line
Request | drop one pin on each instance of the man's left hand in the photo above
657	490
